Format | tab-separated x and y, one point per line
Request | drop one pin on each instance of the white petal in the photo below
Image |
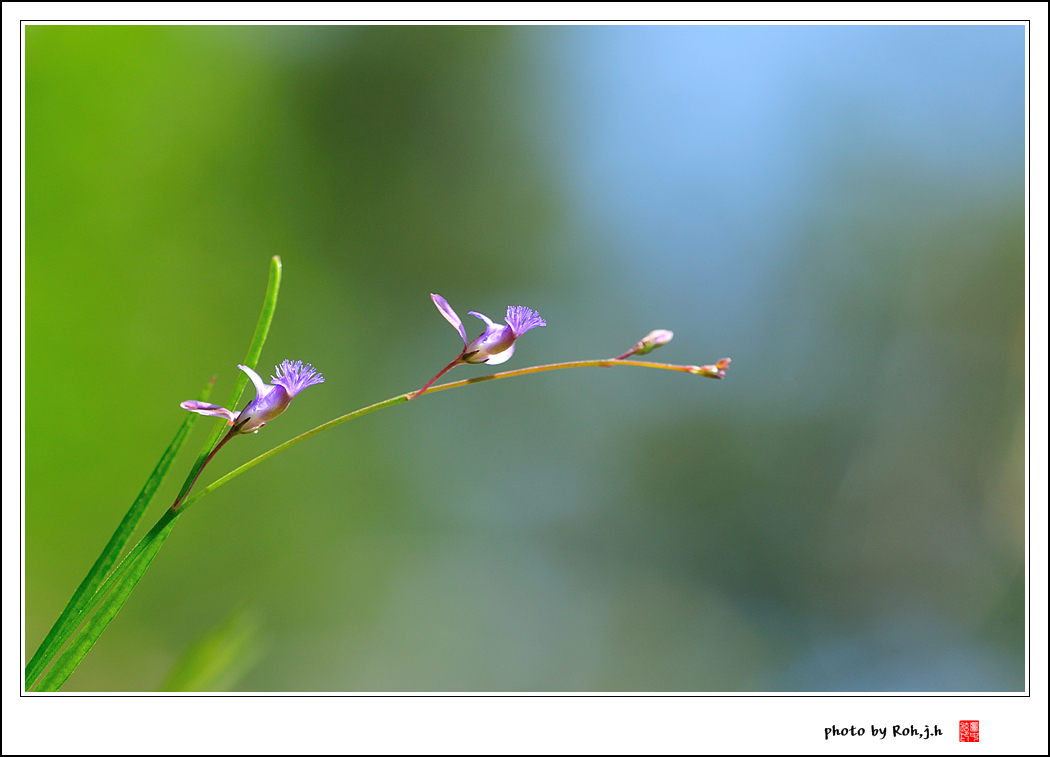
501	357
261	388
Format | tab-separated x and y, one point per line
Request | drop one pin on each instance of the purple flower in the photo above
270	399
496	344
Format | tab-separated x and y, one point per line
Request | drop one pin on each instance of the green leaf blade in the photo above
123	579
262	329
136	563
216	661
66	623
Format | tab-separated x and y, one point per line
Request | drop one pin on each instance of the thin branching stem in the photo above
706	370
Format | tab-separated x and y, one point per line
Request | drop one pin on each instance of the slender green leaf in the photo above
217	661
123	579
262	328
66	623
136	564
117	575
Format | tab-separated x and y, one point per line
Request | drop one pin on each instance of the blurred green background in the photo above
838	209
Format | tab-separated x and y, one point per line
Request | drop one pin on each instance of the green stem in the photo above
706	370
122	580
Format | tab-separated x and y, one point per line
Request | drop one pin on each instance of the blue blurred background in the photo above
838	209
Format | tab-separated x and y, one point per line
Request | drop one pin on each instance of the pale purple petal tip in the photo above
206	408
521	319
450	315
295	377
489	325
260	387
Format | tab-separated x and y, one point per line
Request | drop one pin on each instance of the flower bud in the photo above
652	340
716	371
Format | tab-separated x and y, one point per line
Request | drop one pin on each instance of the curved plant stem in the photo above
706	370
117	587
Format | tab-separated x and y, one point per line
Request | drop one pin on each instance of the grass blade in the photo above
262	328
123	582
123	579
218	660
66	623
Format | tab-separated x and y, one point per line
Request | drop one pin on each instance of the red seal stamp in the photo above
969	730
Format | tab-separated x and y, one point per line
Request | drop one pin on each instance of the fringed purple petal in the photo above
450	315
522	319
295	377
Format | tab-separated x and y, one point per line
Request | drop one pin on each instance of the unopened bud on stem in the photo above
649	342
716	371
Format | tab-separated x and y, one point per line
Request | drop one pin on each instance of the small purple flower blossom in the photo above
496	344
270	399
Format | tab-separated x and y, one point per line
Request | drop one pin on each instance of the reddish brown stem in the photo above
440	373
229	435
